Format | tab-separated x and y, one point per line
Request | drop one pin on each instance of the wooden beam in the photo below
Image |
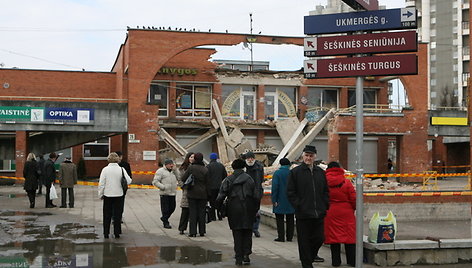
222	149
219	118
215	124
167	138
298	148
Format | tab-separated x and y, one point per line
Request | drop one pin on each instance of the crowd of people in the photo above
38	173
316	200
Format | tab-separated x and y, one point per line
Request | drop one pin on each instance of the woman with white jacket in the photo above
111	192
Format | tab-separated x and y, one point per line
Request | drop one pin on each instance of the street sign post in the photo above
363	4
387	19
361	66
361	43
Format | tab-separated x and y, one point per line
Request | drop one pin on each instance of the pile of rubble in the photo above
231	142
388	185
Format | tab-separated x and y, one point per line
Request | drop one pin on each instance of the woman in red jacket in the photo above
340	221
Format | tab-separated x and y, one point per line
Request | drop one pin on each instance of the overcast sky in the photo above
76	34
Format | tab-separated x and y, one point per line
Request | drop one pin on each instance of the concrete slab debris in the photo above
297	149
285	129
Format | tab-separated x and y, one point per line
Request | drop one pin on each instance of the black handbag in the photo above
189	182
124	183
224	208
224	205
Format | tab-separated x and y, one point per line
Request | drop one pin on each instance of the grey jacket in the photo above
166	181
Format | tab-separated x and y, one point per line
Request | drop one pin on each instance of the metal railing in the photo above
377	108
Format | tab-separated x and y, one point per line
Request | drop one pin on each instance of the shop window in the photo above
321	98
280	102
193	101
233	107
97	150
7	165
158	95
370	98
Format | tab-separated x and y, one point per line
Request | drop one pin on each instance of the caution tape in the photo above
12	178
385	194
451	166
411	175
89	183
144	172
268	192
419	194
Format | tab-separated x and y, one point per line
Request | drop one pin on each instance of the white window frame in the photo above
193	109
168	91
276	104
10	162
241	104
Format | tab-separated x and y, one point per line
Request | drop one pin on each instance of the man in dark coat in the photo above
67	180
256	170
307	191
216	174
49	177
242	204
41	173
124	164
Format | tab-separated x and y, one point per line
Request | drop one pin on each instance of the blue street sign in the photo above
75	115
387	19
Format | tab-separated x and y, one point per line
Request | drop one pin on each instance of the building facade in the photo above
445	26
165	80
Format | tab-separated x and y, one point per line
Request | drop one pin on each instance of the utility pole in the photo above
250	43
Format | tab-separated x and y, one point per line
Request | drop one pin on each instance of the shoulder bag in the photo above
124	183
189	182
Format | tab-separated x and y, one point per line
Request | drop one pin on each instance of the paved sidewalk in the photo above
144	239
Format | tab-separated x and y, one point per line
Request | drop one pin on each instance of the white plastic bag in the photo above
382	229
52	192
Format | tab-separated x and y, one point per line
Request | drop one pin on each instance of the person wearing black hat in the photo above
307	191
216	174
256	170
241	194
281	206
166	181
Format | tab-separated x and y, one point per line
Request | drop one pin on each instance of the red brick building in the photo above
167	81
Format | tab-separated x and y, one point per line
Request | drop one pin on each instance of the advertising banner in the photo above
12	113
45	115
69	115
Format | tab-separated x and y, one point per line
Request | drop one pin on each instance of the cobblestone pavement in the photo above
67	237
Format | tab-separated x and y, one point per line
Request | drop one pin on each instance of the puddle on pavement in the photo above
27	242
22	195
